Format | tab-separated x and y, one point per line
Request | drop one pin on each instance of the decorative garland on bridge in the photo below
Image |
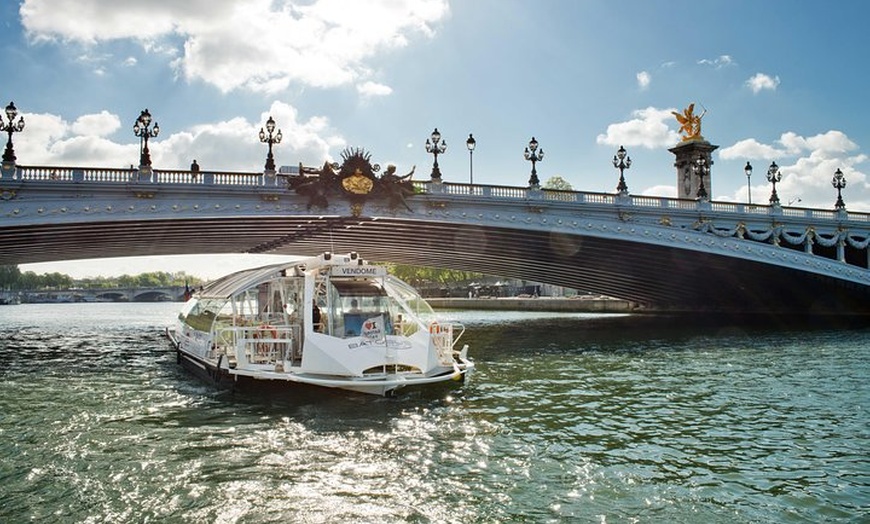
777	232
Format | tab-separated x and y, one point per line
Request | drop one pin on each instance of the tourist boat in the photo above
332	320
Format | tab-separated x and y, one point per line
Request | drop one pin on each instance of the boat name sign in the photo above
359	271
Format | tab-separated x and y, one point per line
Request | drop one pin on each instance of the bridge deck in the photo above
657	251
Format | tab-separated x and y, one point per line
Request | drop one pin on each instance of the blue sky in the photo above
781	81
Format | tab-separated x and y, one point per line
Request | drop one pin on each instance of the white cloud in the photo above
100	124
750	148
760	82
718	62
791	144
229	145
256	45
663	190
807	165
369	89
647	129
643	79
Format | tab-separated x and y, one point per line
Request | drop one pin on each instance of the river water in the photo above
569	418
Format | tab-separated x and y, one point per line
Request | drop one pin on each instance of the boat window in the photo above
355	307
411	303
202	314
275	302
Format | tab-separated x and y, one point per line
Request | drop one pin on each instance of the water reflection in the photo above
568	417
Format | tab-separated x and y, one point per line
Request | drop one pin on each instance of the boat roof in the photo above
228	285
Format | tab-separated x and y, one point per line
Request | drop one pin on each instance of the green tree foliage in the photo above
419	275
11	278
558	183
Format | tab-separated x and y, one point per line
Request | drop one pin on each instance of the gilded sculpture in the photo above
690	123
355	179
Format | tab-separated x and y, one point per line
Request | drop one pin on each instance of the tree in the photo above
9	276
558	183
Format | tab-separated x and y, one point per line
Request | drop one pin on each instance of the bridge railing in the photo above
126	175
258	179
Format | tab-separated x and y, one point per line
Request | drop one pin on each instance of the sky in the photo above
779	80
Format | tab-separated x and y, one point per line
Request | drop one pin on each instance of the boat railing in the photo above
444	336
264	344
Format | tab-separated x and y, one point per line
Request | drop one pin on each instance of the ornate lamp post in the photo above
141	129
748	171
435	146
470	144
621	162
11	127
534	155
774	176
839	182
267	137
702	170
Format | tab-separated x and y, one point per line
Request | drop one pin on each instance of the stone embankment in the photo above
573	305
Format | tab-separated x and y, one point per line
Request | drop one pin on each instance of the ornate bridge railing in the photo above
257	179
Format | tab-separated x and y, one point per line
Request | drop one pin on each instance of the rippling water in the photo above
569	418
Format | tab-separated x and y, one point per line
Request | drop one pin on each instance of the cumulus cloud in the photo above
760	82
643	79
807	165
662	190
647	129
256	45
100	124
831	143
370	89
228	145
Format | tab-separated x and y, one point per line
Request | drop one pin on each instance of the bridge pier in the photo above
688	181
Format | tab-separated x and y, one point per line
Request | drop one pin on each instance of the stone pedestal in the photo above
687	153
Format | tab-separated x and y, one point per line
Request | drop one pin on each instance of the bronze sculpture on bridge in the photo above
354	179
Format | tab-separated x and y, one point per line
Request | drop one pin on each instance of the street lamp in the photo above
774	176
702	170
470	144
267	138
11	127
839	182
534	155
748	171
141	129
435	146
621	162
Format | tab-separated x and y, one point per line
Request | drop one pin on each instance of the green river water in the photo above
568	418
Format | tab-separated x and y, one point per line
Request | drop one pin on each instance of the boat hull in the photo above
386	385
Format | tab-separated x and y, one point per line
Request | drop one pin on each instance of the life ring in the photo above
434	328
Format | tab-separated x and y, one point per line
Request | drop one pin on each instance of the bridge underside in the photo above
651	275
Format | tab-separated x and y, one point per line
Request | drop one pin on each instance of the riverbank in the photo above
570	305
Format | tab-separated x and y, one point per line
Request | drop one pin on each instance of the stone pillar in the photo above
687	152
7	170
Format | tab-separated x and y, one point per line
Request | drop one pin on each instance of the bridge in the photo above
113	294
662	253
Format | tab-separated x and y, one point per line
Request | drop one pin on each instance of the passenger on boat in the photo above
315	318
354	307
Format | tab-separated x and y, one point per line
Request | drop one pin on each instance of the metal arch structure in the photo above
660	253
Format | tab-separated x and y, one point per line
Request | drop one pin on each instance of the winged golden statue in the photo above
690	123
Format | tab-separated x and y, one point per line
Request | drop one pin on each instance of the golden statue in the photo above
690	123
357	183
